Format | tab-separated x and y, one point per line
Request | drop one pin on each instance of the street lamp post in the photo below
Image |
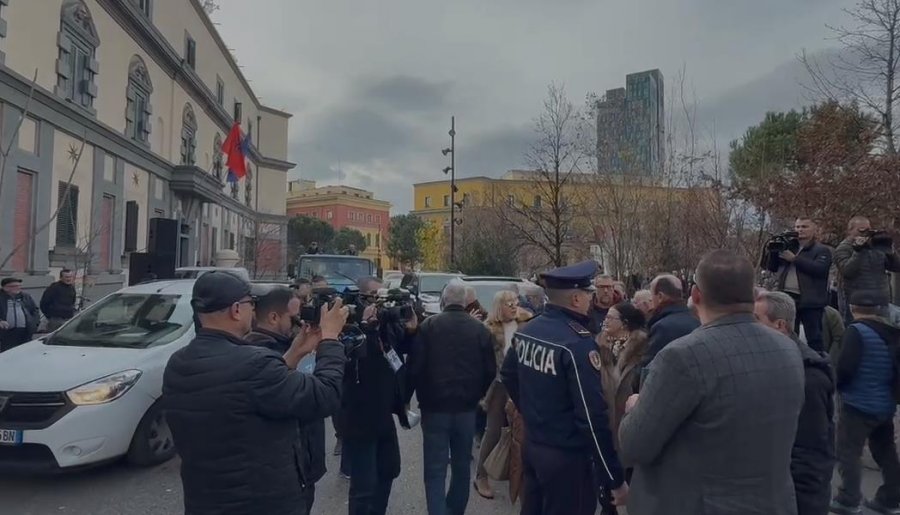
452	170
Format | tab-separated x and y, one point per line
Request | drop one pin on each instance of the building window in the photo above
537	201
368	239
349	215
235	190
446	200
67	218
145	6
138	108
131	225
368	218
190	51
237	110
76	67
220	91
329	215
23	221
218	163
188	136
427	201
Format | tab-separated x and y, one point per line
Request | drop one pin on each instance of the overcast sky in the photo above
372	85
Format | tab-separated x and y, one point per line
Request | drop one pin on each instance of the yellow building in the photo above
345	206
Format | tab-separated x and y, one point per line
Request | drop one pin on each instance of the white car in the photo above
89	392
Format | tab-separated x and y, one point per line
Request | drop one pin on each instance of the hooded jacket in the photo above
812	456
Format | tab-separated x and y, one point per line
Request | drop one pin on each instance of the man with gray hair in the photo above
451	366
812	458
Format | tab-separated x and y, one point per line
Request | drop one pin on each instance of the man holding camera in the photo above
863	260
233	407
277	316
802	269
372	396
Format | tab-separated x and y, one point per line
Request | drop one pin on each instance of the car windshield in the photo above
128	320
434	283
485	292
336	269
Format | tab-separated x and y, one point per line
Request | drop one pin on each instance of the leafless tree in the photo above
210	6
867	67
542	213
259	248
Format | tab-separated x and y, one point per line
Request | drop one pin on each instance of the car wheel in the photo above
152	443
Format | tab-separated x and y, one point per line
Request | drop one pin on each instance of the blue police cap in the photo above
574	277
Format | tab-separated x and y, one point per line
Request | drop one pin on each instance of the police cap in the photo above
217	290
573	277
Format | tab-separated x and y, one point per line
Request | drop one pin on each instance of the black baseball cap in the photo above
217	290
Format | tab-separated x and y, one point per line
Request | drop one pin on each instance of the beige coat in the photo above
496	329
621	379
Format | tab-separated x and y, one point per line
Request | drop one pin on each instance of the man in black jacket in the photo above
58	300
804	276
861	265
451	366
812	457
372	396
276	314
671	318
19	315
604	299
233	407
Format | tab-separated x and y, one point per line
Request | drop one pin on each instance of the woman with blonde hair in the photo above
622	344
503	320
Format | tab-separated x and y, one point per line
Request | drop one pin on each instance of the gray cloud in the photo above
406	93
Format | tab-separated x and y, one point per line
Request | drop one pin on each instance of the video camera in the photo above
878	240
788	240
353	338
394	305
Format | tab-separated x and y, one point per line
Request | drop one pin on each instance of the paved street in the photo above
122	490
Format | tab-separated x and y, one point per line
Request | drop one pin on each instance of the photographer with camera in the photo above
863	260
802	265
233	407
277	318
372	396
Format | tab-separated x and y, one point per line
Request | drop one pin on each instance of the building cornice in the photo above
322	200
151	40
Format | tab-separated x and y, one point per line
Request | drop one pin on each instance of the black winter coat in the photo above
669	324
58	301
812	456
233	410
311	431
452	363
32	315
813	265
865	269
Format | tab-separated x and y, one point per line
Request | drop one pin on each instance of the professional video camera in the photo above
878	240
353	338
395	305
788	240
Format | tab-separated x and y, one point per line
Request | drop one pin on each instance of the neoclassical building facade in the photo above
127	103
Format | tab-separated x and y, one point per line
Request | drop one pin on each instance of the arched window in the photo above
138	108
76	66
217	158
188	136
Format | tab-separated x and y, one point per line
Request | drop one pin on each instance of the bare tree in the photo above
210	6
866	70
262	250
542	212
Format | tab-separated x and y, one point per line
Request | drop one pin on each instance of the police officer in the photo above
553	379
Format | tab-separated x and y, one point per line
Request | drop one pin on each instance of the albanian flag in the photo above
236	147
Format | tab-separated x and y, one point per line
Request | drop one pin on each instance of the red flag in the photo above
237	162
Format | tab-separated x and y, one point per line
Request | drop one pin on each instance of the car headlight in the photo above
103	390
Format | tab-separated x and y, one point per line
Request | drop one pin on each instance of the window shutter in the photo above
131	225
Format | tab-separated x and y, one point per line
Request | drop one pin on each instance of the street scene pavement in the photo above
118	489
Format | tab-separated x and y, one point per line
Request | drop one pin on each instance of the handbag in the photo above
497	462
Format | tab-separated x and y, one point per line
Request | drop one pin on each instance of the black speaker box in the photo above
147	266
162	238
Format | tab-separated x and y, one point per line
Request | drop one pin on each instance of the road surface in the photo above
122	490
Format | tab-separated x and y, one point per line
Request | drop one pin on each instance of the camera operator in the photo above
863	260
233	408
276	318
802	265
372	395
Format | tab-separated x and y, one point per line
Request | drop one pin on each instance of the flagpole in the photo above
259	151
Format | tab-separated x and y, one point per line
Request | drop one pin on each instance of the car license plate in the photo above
10	437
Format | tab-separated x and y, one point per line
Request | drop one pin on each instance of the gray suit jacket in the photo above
713	429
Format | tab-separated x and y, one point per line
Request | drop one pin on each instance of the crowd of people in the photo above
732	399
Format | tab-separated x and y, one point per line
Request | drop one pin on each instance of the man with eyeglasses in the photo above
233	407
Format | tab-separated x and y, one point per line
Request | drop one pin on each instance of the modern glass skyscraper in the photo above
631	126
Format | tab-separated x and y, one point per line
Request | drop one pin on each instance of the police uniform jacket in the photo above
553	380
